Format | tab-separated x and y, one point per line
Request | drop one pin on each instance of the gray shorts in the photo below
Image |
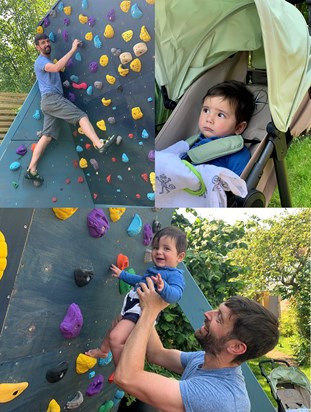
55	108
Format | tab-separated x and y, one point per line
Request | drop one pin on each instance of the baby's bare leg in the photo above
118	337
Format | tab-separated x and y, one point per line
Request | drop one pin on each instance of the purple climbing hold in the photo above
46	22
95	386
151	155
91	21
111	15
71	97
97	223
21	150
147	234
69	63
93	67
66	21
94	163
72	324
65	35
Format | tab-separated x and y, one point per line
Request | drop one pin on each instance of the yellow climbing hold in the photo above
136	113
83	19
84	363
150	1
116	213
67	10
9	391
136	65
89	36
80	130
144	34
104	60
39	30
123	72
3	254
106	102
64	213
110	79
101	125
83	163
53	406
152	180
109	32
125	6
127	35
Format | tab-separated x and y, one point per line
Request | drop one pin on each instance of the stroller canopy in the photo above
283	374
194	36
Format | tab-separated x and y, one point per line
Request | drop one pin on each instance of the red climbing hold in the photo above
33	146
145	177
111	378
88	146
80	179
95	196
67	181
108	178
75	163
75	133
138	196
79	85
114	159
131	135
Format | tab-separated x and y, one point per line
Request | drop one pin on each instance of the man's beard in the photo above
210	344
47	51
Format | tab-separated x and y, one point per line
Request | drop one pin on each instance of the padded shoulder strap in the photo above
216	148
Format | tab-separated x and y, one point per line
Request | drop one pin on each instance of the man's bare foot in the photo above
96	353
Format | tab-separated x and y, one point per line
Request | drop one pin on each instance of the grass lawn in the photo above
298	163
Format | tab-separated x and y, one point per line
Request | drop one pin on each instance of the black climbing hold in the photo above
57	373
156	226
83	277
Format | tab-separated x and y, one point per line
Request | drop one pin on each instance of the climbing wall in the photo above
37	288
111	78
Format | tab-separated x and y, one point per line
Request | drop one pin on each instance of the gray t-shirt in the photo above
212	390
49	82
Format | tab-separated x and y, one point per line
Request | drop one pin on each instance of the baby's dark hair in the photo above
238	96
40	36
175	233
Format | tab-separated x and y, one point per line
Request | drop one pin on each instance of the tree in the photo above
18	22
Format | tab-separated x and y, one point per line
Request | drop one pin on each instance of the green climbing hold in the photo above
123	286
106	406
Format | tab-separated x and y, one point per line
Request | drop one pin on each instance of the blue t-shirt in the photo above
211	390
48	82
235	162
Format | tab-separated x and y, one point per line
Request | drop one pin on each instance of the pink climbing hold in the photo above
67	181
131	135
54	199
80	179
79	85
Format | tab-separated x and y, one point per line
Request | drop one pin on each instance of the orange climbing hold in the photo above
9	391
122	261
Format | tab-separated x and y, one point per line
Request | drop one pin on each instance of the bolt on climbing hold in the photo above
136	12
144	34
76	401
109	32
125	5
72	324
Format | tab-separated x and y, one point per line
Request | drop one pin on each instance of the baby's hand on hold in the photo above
115	271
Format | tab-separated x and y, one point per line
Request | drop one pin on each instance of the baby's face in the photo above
217	118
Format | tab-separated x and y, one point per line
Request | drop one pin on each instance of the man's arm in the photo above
154	389
61	63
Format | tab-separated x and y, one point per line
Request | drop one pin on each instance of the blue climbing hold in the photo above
78	57
144	134
149	99
118	396
136	12
60	6
97	42
15	166
105	361
79	149
89	90
91	374
52	37
135	226
84	4
120	177
74	78
125	159
151	196
37	115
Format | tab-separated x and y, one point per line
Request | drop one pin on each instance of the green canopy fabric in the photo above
194	36
284	374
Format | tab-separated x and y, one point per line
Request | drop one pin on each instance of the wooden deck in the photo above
9	106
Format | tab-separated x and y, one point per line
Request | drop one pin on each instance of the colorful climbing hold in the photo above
78	57
52	37
93	67
111	120
54	198
83	163
152	180
144	177
110	79
111	378
97	223
83	19
10	391
97	42
91	21
79	148
131	135
91	374
109	32
151	196
116	52
89	36
151	155
118	140
136	65
84	363
122	71
79	85
15	166
98	85
147	234
125	5
84	4
105	361
3	256
150	1
72	324
119	394
71	97
74	78
89	90
111	15
136	113
122	261
106	406
95	386
116	213
67	10
144	134
21	150
65	34
104	60
67	181
53	406
125	57
136	12
15	185
135	226
66	21
64	213
125	158
101	125
106	102
39	30
127	35
144	34
80	179
94	163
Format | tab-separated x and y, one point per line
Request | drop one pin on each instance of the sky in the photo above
231	215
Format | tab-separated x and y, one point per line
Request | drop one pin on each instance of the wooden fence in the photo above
9	105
